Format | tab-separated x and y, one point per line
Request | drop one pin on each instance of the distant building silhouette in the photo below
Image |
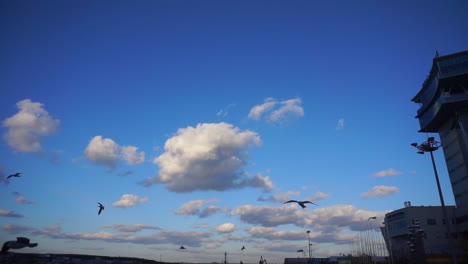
444	110
431	239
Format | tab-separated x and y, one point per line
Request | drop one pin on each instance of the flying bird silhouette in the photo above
101	207
182	247
18	174
21	242
372	217
243	247
301	203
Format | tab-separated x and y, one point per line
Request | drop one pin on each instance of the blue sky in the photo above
192	122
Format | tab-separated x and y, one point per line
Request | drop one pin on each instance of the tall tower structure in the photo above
443	101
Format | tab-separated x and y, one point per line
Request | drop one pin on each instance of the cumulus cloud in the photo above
105	151
194	208
280	247
189	238
225	228
325	219
129	200
21	199
257	111
380	190
332	218
318	196
289	108
16	229
270	216
389	172
280	197
211	210
277	110
130	228
341	124
9	213
272	234
210	156
258	181
131	155
27	127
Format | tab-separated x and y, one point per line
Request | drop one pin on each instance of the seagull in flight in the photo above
101	207
18	174
301	203
21	242
182	247
243	247
372	217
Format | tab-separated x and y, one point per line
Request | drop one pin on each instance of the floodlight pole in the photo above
429	146
308	239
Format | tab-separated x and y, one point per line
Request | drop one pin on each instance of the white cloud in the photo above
27	127
105	151
341	124
257	111
331	218
380	190
129	200
318	196
131	155
280	197
212	246
272	234
289	108
131	228
22	200
225	228
270	216
277	111
326	219
389	172
193	207
258	181
189	238
210	156
9	213
211	210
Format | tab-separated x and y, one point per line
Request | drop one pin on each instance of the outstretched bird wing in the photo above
14	175
6	246
291	201
310	203
101	207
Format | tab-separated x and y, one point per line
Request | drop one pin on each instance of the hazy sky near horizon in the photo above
193	121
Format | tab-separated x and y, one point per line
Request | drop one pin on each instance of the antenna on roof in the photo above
437	54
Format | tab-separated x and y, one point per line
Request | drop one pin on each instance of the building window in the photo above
431	221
